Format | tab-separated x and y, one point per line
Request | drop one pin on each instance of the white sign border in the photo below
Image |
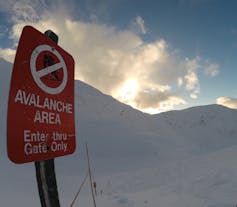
38	74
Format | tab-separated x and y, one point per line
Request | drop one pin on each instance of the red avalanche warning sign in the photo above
40	121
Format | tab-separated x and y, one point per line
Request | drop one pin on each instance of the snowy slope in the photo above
182	158
208	181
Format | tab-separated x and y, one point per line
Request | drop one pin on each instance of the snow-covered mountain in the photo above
181	158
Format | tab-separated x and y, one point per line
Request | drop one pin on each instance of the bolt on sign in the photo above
41	120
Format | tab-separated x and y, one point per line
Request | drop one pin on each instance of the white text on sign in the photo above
36	142
31	99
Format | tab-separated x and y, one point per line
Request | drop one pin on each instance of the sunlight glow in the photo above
128	91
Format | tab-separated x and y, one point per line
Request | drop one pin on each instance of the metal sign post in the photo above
45	171
47	184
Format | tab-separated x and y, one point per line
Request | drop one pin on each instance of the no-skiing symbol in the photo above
48	69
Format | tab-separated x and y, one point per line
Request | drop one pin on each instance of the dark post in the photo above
45	171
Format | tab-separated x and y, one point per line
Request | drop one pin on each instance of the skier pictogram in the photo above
50	67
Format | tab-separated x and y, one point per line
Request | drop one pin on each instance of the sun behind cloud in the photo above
128	91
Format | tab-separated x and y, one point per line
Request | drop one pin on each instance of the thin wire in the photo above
89	169
89	173
83	182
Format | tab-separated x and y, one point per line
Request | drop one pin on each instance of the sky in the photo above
153	55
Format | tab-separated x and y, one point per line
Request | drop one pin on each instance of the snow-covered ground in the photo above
182	158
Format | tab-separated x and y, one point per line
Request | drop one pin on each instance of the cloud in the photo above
3	30
228	102
212	70
164	103
149	76
156	99
7	54
192	83
24	10
139	24
6	5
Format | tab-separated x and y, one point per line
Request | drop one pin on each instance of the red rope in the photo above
83	182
